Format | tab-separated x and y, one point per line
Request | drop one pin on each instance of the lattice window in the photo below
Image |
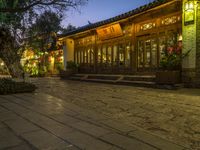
170	20
147	26
127	29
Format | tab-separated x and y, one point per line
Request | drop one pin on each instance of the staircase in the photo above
135	80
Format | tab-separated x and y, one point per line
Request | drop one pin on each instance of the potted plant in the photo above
72	68
170	65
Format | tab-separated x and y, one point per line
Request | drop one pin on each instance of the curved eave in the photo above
131	13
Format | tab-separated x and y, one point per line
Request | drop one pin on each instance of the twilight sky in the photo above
97	10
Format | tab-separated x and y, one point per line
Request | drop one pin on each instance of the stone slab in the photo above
2	125
65	119
7	116
8	139
2	109
91	129
45	140
84	141
17	108
118	126
21	147
155	140
20	126
126	143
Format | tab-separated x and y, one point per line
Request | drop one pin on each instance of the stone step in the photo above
138	83
100	81
75	78
79	75
104	77
132	80
147	78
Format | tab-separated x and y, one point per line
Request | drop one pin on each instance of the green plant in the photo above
72	65
59	66
8	86
172	58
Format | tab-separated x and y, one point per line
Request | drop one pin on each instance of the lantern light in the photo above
189	12
189	6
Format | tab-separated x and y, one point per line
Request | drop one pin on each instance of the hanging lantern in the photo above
189	12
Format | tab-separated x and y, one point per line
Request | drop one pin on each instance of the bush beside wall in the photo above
8	86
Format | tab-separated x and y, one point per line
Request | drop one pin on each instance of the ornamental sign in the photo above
110	32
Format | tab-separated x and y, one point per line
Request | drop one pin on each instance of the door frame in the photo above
145	38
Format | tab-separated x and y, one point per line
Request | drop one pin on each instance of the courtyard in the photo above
65	114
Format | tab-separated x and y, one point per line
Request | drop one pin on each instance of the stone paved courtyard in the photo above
173	115
80	115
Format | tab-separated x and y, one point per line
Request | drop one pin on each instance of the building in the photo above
133	42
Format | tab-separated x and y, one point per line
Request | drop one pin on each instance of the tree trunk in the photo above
9	53
15	68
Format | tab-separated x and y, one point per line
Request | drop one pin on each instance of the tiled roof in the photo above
136	11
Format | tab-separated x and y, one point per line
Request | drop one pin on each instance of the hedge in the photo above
8	86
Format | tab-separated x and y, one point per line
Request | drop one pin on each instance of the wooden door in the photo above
147	54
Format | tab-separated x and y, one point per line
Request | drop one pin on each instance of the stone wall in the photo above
191	41
198	46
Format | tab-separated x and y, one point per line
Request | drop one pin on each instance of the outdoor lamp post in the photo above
189	12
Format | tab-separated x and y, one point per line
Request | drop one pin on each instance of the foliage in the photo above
72	65
43	32
33	68
10	51
13	6
59	66
172	58
8	86
16	17
68	29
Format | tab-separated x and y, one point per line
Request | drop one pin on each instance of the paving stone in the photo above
3	109
44	140
2	99
20	126
126	143
48	124
116	125
17	108
67	133
7	116
65	119
155	140
2	125
21	147
8	139
94	116
70	112
91	129
85	141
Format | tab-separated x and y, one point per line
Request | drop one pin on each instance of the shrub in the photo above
8	86
72	65
172	58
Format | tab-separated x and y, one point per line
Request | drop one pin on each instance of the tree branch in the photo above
38	3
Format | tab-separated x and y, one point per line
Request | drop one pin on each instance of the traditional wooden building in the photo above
134	42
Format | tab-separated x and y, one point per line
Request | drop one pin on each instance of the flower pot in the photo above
168	77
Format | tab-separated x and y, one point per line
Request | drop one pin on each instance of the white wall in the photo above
68	51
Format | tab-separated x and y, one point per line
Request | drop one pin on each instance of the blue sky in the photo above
97	10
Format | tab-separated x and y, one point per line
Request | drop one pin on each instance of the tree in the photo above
9	49
15	6
43	33
68	29
16	16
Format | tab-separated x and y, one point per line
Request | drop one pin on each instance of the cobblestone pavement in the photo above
41	121
172	115
72	115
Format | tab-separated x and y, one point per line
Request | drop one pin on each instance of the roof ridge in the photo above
133	12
